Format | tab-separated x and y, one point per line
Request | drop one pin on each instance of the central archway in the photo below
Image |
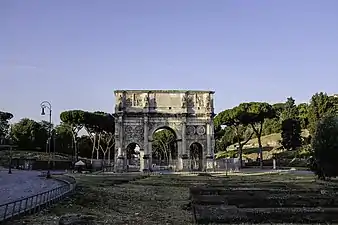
196	156
164	149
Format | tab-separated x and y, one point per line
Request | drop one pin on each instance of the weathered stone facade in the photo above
140	113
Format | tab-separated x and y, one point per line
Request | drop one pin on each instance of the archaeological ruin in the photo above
188	114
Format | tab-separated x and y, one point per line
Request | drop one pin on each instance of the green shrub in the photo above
324	160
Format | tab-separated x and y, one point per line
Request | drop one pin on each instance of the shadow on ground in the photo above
177	199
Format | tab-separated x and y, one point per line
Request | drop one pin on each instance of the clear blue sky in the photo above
75	53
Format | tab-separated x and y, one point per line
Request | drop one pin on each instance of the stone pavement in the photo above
21	184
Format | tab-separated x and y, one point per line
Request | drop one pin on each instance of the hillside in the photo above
270	143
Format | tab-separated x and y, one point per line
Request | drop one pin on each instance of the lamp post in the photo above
46	105
10	158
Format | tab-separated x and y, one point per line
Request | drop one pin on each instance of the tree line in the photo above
232	126
255	119
31	135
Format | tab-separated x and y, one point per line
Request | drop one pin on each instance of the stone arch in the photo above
165	159
138	142
202	143
196	155
177	133
133	154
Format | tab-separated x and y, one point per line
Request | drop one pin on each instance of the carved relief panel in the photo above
188	101
134	134
129	100
119	102
208	102
199	100
152	101
137	100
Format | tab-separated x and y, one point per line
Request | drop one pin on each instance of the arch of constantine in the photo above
189	114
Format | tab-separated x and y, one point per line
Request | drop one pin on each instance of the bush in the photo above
291	134
325	148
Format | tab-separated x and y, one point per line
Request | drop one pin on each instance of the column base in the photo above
120	164
210	164
145	163
183	163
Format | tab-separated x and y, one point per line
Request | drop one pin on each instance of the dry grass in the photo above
161	199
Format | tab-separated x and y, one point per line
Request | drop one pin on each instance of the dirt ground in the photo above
160	199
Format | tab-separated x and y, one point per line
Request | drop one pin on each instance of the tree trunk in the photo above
260	147
170	157
260	152
98	146
240	149
93	139
75	147
104	159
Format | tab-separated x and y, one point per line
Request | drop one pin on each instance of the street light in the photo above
10	158
46	105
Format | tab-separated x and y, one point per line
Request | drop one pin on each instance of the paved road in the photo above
21	184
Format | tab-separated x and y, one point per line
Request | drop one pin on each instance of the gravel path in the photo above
21	184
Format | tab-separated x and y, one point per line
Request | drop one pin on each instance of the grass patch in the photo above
164	199
278	198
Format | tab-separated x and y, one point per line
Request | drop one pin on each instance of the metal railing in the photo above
35	203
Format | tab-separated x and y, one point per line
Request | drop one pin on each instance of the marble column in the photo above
120	161
184	159
146	158
210	156
184	141
179	166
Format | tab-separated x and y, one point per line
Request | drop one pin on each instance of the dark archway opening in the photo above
164	149
196	156
133	157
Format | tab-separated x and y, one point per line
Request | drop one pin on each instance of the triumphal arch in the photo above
189	114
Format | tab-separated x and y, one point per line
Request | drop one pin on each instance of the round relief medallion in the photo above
139	128
200	130
190	130
128	129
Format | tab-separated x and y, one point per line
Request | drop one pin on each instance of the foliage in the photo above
85	146
228	138
75	120
30	135
63	139
271	126
100	127
325	148
290	110
4	123
233	119
321	105
291	134
164	145
303	111
254	114
291	128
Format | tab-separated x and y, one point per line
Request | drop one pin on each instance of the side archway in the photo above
196	156
133	157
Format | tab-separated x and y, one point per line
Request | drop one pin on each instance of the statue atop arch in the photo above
186	113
